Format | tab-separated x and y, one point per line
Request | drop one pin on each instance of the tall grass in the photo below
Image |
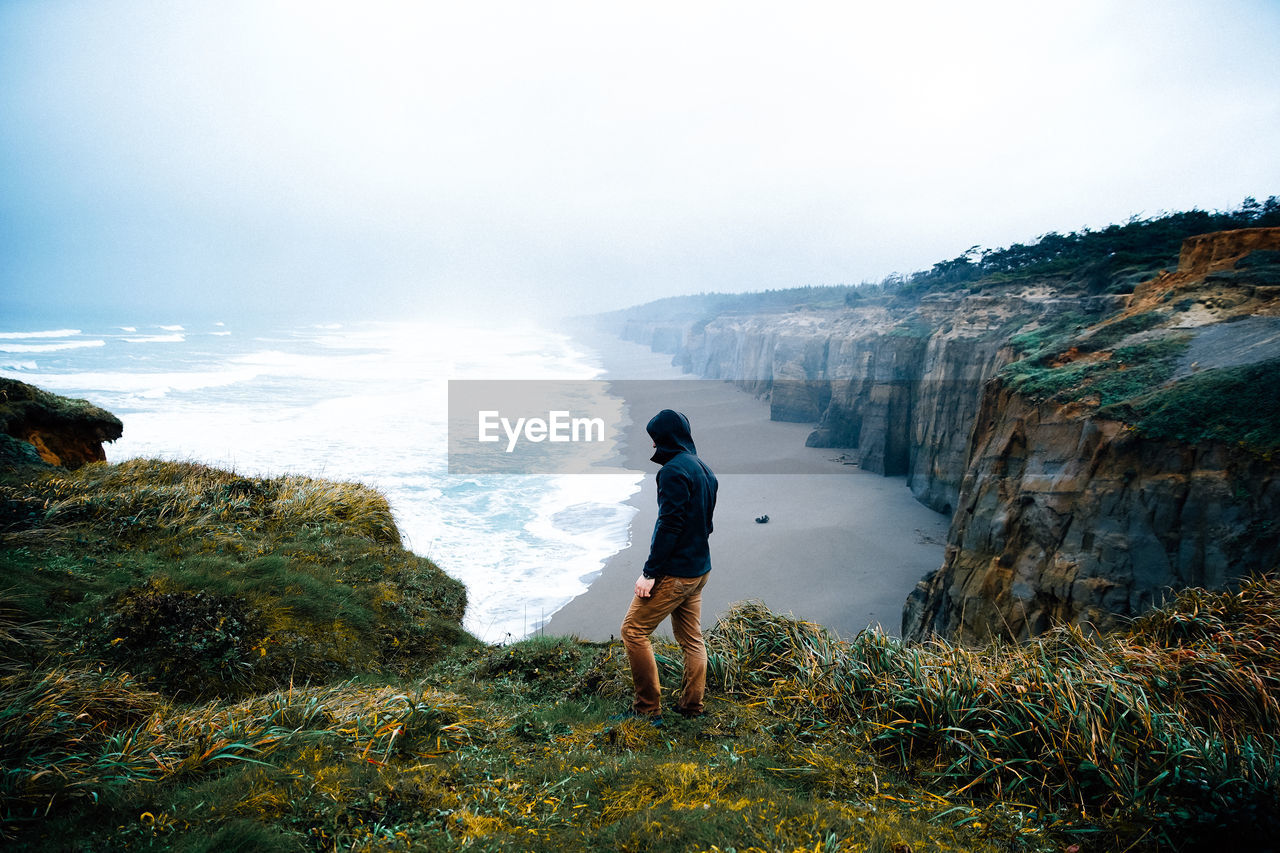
1159	739
150	499
72	733
1171	727
362	766
161	689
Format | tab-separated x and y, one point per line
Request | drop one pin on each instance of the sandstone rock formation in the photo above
1070	519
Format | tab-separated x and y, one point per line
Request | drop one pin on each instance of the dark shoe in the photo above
654	720
690	714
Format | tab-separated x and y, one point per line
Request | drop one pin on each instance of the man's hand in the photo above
644	586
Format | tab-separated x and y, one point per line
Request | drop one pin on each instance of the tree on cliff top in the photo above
1102	260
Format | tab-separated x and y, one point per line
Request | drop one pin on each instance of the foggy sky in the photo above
332	161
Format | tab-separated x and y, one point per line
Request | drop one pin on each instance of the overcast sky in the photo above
543	157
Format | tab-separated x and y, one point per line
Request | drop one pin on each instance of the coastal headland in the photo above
1096	414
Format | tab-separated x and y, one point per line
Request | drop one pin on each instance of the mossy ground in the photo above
368	731
1137	383
1238	406
1158	740
462	760
1116	376
202	582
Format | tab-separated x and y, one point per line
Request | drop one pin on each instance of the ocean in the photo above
363	402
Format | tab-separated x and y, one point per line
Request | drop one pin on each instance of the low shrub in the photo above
550	664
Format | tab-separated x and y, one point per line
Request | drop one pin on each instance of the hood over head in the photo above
670	432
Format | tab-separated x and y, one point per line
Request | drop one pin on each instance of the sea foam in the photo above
366	403
5	346
48	333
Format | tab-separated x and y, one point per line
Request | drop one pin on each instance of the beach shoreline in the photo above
843	547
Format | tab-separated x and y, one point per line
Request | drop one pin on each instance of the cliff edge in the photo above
1109	468
37	427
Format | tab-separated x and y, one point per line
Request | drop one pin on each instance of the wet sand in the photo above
843	547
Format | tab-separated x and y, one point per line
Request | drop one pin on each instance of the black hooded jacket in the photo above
686	501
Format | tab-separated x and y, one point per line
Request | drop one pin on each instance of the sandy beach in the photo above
843	547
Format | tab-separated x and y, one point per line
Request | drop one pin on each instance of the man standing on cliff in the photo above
676	571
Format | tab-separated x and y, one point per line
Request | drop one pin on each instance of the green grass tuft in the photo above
1160	739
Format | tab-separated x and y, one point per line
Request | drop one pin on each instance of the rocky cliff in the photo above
1073	433
897	383
37	427
1113	467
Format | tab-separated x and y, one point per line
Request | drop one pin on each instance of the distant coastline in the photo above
843	547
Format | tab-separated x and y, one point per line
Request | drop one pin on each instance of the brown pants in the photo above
681	599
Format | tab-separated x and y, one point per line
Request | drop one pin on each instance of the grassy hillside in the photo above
194	660
204	583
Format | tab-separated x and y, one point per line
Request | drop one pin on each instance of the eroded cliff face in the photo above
898	386
1066	518
39	427
1063	510
1072	512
